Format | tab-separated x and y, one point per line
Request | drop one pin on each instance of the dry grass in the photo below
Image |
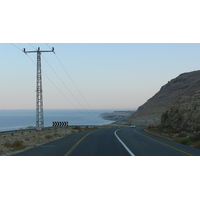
48	136
17	145
7	144
1	152
196	144
18	142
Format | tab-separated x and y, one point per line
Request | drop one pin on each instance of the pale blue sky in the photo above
108	75
107	47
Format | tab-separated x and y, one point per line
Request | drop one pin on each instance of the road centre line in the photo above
165	144
129	151
77	143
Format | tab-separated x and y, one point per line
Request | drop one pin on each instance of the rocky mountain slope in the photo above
185	84
184	115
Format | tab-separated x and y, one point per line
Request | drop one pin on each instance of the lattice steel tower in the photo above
39	99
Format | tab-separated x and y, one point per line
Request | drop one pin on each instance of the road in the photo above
112	142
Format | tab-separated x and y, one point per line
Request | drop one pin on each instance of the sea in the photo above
16	119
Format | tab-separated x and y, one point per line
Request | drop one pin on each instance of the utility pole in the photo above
39	99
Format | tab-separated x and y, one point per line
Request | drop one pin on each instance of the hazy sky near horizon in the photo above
116	76
118	53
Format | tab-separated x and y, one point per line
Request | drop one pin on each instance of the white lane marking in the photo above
129	151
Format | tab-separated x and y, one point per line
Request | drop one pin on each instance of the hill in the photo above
184	86
184	115
119	117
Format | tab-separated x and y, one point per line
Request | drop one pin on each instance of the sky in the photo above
115	76
109	54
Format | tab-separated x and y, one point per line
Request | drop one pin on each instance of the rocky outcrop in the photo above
185	84
184	114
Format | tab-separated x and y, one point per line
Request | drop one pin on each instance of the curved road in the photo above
112	142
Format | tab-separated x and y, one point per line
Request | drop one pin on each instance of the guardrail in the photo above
20	130
12	132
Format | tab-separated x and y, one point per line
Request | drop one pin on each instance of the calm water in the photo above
15	119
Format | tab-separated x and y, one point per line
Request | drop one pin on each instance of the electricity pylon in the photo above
39	99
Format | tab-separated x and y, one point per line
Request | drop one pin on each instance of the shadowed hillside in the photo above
184	114
185	84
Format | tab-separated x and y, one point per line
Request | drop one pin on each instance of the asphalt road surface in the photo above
112	142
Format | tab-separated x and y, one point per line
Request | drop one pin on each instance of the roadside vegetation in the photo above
187	138
9	143
15	145
1	152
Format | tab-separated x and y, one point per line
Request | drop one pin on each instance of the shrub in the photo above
197	145
182	134
177	140
195	137
150	126
1	152
29	127
57	135
7	144
78	128
17	145
171	130
186	141
48	136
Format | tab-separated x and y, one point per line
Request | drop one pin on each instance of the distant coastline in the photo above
21	118
119	117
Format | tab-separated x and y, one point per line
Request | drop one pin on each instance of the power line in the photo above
72	80
33	46
47	77
16	46
63	82
53	83
68	89
55	86
48	45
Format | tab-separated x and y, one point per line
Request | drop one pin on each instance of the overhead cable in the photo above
72	80
48	78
